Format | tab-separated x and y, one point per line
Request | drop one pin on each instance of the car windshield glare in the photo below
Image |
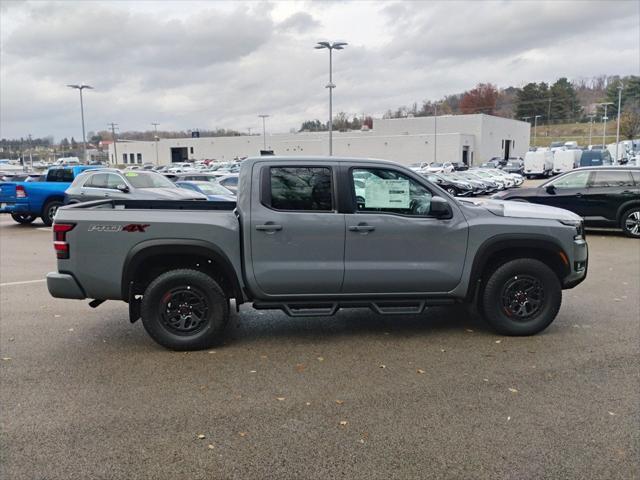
148	180
210	188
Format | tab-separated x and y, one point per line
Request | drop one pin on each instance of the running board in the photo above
327	309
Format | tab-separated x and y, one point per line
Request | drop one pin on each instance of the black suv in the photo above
604	196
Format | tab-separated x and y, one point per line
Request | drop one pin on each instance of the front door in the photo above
393	244
568	192
297	236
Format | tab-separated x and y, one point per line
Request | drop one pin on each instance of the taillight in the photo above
20	192
60	244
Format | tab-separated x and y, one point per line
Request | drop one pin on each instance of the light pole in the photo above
535	129
435	131
264	116
115	142
604	123
156	138
591	117
620	87
331	47
81	87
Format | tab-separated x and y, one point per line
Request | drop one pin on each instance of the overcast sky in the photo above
219	64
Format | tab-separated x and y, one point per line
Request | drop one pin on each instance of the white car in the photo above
437	167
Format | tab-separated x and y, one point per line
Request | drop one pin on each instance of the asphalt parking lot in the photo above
87	395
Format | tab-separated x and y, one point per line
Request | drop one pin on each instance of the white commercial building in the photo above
470	139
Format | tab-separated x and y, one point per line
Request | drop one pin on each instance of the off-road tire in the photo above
160	301
496	292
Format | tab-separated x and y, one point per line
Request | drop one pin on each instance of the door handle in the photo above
107	194
268	227
578	194
362	228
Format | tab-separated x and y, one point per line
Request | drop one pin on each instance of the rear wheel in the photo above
184	310
23	219
630	222
521	297
49	211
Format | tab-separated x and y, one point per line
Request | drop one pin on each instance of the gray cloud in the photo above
213	65
299	22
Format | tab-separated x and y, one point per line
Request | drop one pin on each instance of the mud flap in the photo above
134	305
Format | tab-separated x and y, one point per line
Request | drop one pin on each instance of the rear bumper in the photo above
13	207
64	285
579	267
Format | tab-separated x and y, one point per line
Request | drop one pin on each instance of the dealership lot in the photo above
88	395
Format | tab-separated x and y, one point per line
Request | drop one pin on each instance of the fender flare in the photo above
510	241
626	206
177	247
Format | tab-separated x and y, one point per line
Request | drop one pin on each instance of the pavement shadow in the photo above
249	325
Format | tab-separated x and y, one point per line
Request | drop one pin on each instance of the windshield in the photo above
435	164
209	188
148	180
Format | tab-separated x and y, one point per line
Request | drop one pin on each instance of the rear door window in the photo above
301	188
611	178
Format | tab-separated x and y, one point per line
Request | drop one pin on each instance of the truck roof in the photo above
315	158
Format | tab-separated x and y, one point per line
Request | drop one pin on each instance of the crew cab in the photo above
26	201
302	241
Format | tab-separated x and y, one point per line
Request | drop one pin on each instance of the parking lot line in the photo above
9	284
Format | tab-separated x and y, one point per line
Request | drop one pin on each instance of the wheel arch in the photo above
150	258
622	209
502	248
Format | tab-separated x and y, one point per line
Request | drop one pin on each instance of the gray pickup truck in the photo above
310	236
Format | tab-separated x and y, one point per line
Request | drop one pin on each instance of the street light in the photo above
264	116
591	117
81	87
620	87
435	132
604	123
156	138
535	129
331	47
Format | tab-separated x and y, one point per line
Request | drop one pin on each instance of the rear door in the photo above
608	190
393	244
297	234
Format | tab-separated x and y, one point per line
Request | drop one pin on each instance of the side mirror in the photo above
440	208
550	189
122	188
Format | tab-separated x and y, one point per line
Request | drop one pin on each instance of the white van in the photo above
565	160
538	164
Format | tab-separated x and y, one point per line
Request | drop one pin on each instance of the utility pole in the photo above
620	87
156	138
115	142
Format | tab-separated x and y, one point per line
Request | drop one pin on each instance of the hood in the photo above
168	194
505	208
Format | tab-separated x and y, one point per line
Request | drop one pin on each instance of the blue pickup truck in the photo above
26	201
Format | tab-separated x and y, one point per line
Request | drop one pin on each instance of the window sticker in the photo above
130	174
380	193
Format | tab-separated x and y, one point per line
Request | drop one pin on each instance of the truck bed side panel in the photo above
99	243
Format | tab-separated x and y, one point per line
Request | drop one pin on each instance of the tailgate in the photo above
7	192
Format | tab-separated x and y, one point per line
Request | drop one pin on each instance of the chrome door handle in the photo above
362	228
268	227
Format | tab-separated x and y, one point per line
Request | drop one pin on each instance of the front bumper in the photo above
579	265
64	285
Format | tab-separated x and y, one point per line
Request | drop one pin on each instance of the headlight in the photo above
578	225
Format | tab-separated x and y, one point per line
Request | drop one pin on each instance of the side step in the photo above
327	309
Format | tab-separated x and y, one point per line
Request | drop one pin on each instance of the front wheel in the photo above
630	222
521	297
23	218
184	310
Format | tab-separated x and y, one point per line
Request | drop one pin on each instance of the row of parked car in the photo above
27	199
